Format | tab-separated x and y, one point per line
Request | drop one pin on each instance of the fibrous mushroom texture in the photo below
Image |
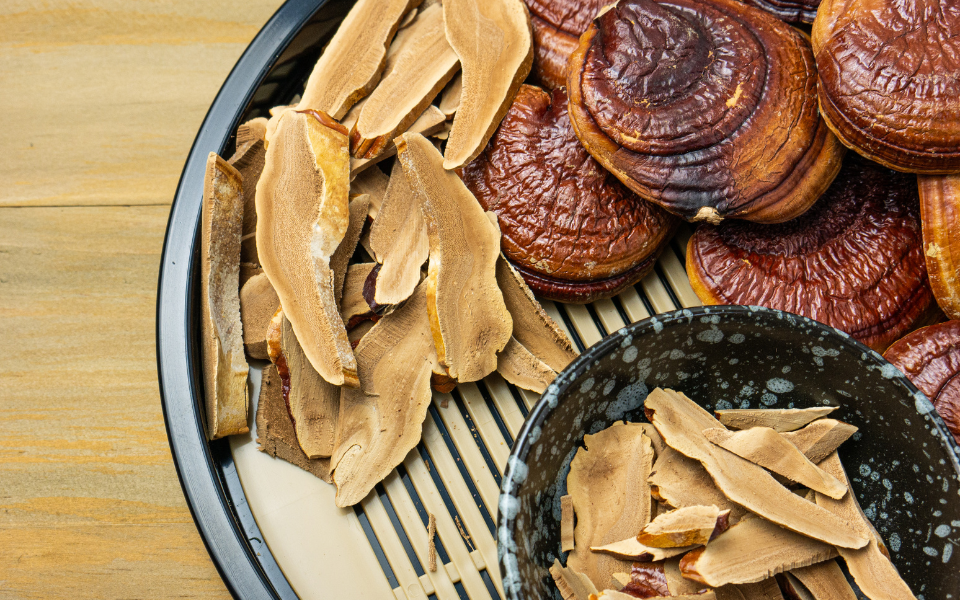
339	262
570	228
819	439
823	581
680	481
888	80
930	358
302	216
523	369
854	261
382	421
940	212
468	317
778	419
708	109
225	366
689	526
557	25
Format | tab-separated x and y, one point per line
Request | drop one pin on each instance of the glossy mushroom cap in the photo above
707	109
854	261
890	80
791	11
572	229
930	358
557	25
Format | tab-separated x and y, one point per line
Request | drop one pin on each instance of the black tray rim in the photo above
205	469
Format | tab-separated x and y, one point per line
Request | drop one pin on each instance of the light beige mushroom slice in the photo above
224	364
382	421
247	272
248	160
353	307
871	569
778	419
359	206
819	439
632	550
450	98
566	523
572	584
469	319
427	124
494	42
676	582
352	62
751	551
302	216
398	238
822	581
765	447
408	19
419	64
275	432
521	368
314	403
258	303
680	481
680	421
611	497
532	326
654	435
372	182
684	527
764	590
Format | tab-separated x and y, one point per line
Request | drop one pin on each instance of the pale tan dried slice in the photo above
302	216
676	582
468	317
521	368
248	271
419	64
566	523
314	403
819	439
372	182
778	419
258	303
654	435
248	160
353	307
680	481
352	62
764	590
363	328
275	433
450	98
532	326
765	447
871	569
494	42
823	581
427	124
382	421
611	497
680	421
684	527
572	584
359	206
408	19
632	550
751	551
398	238
224	364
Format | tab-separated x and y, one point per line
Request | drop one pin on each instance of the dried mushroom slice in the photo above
680	481
382	421
419	64
791	11
572	585
566	523
870	566
823	581
820	438
224	365
680	421
398	238
676	582
764	590
450	99
523	369
427	124
258	303
631	549
353	307
778	419
313	402
751	551
493	40
373	183
276	435
352	62
647	580
302	216
940	212
248	160
684	527
608	482
765	447
359	207
469	319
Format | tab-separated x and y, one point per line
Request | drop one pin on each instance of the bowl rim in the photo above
516	471
208	477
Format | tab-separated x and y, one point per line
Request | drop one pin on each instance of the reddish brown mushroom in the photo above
557	25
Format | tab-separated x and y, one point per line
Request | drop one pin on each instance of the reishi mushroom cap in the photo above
557	25
791	11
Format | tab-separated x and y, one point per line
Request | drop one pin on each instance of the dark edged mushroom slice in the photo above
258	303
248	160
819	439
778	419
791	11
684	527
647	580
572	584
353	306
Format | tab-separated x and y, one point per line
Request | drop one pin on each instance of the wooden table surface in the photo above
102	100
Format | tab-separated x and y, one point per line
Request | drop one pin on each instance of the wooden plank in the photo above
657	294
633	305
483	420
608	315
469	452
677	278
410	582
583	323
505	402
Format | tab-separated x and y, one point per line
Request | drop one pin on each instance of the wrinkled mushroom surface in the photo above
940	213
557	25
854	261
707	109
791	11
570	227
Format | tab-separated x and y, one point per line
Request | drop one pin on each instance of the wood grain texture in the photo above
105	98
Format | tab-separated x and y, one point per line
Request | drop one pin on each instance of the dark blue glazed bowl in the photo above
903	463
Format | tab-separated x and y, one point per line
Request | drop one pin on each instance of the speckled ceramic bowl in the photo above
903	463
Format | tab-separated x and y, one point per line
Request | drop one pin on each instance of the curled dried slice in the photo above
248	160
493	41
468	317
225	367
751	551
683	527
823	581
352	62
647	580
258	303
940	212
302	216
680	421
778	419
820	438
631	549
313	402
765	447
572	585
382	421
